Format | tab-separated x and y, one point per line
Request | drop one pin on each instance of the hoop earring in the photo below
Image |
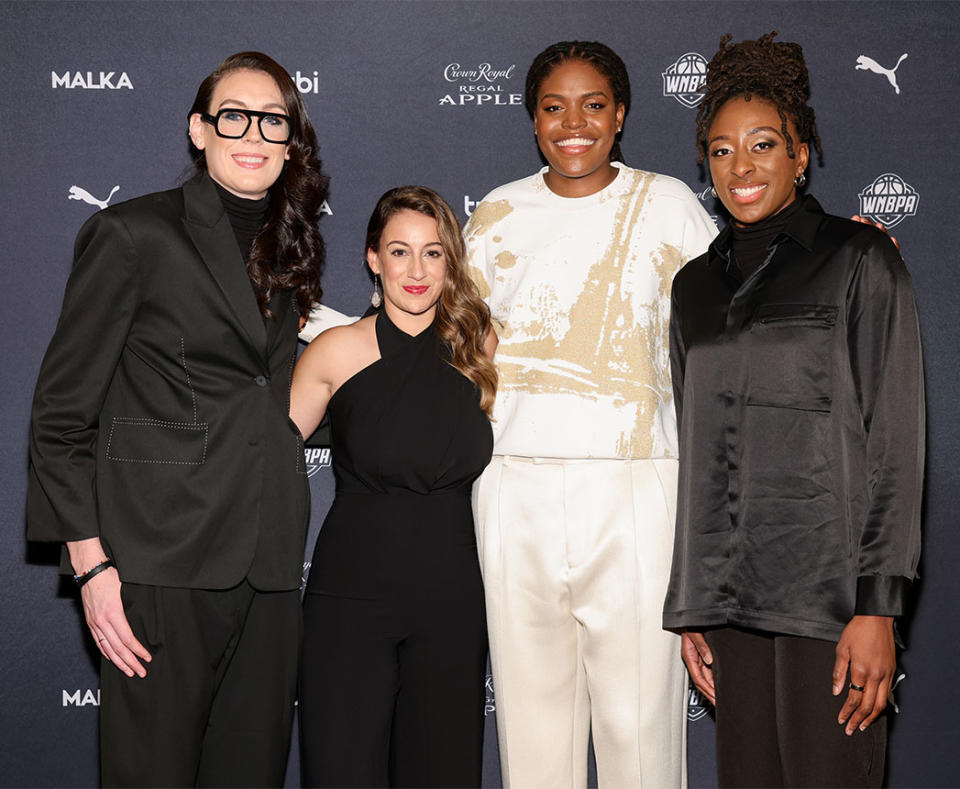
375	298
713	192
800	180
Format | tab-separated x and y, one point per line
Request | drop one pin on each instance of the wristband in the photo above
85	576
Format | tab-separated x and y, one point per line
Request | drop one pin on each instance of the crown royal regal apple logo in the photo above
683	79
888	200
479	85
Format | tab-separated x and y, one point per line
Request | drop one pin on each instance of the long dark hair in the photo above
598	55
463	319
288	252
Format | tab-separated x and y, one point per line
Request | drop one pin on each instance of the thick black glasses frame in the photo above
214	120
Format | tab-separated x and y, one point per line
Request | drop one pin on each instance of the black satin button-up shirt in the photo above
799	396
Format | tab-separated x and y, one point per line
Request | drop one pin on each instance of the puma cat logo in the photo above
865	63
79	193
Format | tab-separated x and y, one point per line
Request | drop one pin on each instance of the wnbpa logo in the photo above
683	79
317	458
889	200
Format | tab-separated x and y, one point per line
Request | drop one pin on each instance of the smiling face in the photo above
751	169
412	264
247	166
576	123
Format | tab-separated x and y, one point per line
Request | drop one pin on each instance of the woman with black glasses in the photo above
161	450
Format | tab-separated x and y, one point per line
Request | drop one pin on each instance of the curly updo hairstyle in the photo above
288	252
773	70
598	55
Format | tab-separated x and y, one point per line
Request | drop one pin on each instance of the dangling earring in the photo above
713	192
376	299
800	180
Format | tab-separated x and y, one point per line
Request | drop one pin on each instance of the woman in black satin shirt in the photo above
799	388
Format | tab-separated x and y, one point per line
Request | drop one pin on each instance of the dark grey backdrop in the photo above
380	84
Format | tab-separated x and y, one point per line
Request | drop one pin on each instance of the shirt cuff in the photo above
881	595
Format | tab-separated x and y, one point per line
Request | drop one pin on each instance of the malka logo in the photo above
888	200
865	63
90	80
316	458
479	85
79	193
682	80
696	705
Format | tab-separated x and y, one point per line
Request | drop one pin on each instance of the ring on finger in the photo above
855	687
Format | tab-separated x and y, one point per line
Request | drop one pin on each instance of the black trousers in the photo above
216	706
392	691
777	718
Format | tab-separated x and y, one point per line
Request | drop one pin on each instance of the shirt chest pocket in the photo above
790	356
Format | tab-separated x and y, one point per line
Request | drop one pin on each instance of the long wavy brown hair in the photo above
288	252
463	319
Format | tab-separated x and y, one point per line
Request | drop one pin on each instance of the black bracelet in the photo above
83	577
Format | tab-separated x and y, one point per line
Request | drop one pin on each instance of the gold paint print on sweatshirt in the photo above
611	346
486	215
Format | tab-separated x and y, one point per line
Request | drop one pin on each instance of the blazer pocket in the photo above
138	440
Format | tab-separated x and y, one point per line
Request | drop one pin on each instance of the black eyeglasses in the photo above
233	124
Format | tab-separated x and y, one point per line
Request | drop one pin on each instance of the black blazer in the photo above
160	420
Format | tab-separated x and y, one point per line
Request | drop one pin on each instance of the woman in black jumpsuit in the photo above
392	687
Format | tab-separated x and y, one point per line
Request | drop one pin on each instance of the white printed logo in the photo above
79	193
697	706
490	700
889	200
316	458
865	63
469	205
683	79
90	80
79	698
479	85
307	84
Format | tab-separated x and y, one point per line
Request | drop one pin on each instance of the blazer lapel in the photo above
209	228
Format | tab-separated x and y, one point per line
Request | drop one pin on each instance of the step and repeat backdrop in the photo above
95	96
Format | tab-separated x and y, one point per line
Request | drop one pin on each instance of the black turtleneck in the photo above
246	217
751	242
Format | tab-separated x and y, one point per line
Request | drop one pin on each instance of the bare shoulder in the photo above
341	352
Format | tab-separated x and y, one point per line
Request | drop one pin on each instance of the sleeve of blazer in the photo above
886	360
99	306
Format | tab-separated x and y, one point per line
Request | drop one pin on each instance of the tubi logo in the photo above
79	698
307	84
90	80
888	200
469	205
683	79
317	458
479	85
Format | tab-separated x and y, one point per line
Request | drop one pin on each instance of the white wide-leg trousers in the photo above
576	559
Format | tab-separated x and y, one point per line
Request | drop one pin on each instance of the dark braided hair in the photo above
772	70
288	251
598	55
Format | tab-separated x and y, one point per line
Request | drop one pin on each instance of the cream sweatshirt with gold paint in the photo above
579	290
